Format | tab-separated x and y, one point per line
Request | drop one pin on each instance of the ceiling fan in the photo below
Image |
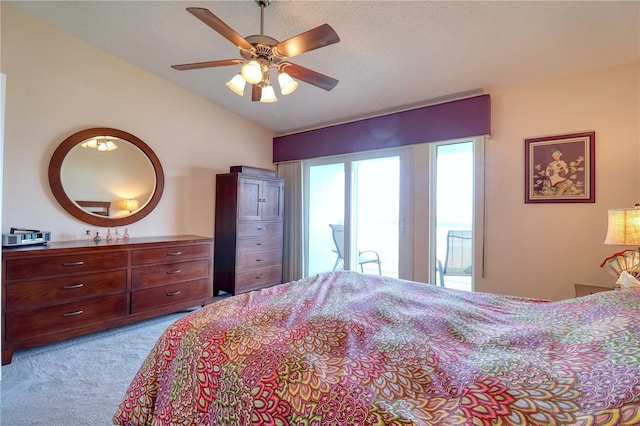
262	53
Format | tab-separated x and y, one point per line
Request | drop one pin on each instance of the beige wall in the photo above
540	250
57	85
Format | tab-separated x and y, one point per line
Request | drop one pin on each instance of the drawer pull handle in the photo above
259	276
262	229
174	293
79	263
175	271
73	286
259	244
174	253
72	314
259	260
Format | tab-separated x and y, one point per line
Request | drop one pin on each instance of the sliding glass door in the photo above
400	207
325	207
353	214
454	184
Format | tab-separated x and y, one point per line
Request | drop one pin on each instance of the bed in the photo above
345	348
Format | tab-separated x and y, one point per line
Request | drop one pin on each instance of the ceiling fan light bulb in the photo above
252	72
268	94
287	84
236	84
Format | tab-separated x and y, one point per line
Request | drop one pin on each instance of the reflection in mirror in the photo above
106	177
92	177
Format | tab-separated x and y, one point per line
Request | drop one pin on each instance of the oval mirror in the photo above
106	177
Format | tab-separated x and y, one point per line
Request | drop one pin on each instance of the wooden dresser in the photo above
67	289
248	230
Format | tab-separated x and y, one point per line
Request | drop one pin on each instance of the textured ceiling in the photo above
393	55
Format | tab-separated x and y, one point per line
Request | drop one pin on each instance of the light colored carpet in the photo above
78	381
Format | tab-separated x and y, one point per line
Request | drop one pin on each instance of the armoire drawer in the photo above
258	259
172	294
252	229
273	242
156	275
170	254
38	293
259	278
23	325
37	267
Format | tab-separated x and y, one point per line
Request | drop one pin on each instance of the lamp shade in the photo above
268	94
252	72
130	204
623	227
236	84
287	84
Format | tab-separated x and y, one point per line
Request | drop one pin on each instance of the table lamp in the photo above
623	228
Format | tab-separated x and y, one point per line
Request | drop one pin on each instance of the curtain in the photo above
293	247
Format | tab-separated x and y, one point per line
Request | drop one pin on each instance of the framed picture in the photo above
560	169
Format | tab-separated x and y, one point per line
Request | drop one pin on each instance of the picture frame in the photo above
560	169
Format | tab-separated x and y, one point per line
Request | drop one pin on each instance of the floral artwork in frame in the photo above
560	169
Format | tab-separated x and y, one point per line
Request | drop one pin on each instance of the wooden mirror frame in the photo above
55	177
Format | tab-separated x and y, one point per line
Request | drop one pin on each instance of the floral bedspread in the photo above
350	349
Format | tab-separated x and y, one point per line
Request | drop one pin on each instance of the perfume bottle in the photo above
97	238
109	234
125	236
87	235
117	235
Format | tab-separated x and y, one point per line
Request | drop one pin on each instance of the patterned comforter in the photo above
350	349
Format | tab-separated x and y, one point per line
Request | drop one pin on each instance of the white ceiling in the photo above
393	55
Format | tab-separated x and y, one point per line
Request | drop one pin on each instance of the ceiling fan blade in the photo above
256	92
315	38
223	29
208	64
309	76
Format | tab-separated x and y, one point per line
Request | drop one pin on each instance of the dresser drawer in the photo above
45	292
258	259
24	325
252	229
247	245
153	276
37	267
172	294
259	278
170	254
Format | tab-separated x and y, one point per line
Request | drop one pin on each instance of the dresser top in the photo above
82	245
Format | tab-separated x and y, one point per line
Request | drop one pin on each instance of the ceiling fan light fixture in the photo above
106	145
261	54
236	84
268	94
287	84
91	143
252	72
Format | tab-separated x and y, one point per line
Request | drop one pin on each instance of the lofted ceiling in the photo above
393	55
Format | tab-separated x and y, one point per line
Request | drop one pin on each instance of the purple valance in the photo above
451	120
